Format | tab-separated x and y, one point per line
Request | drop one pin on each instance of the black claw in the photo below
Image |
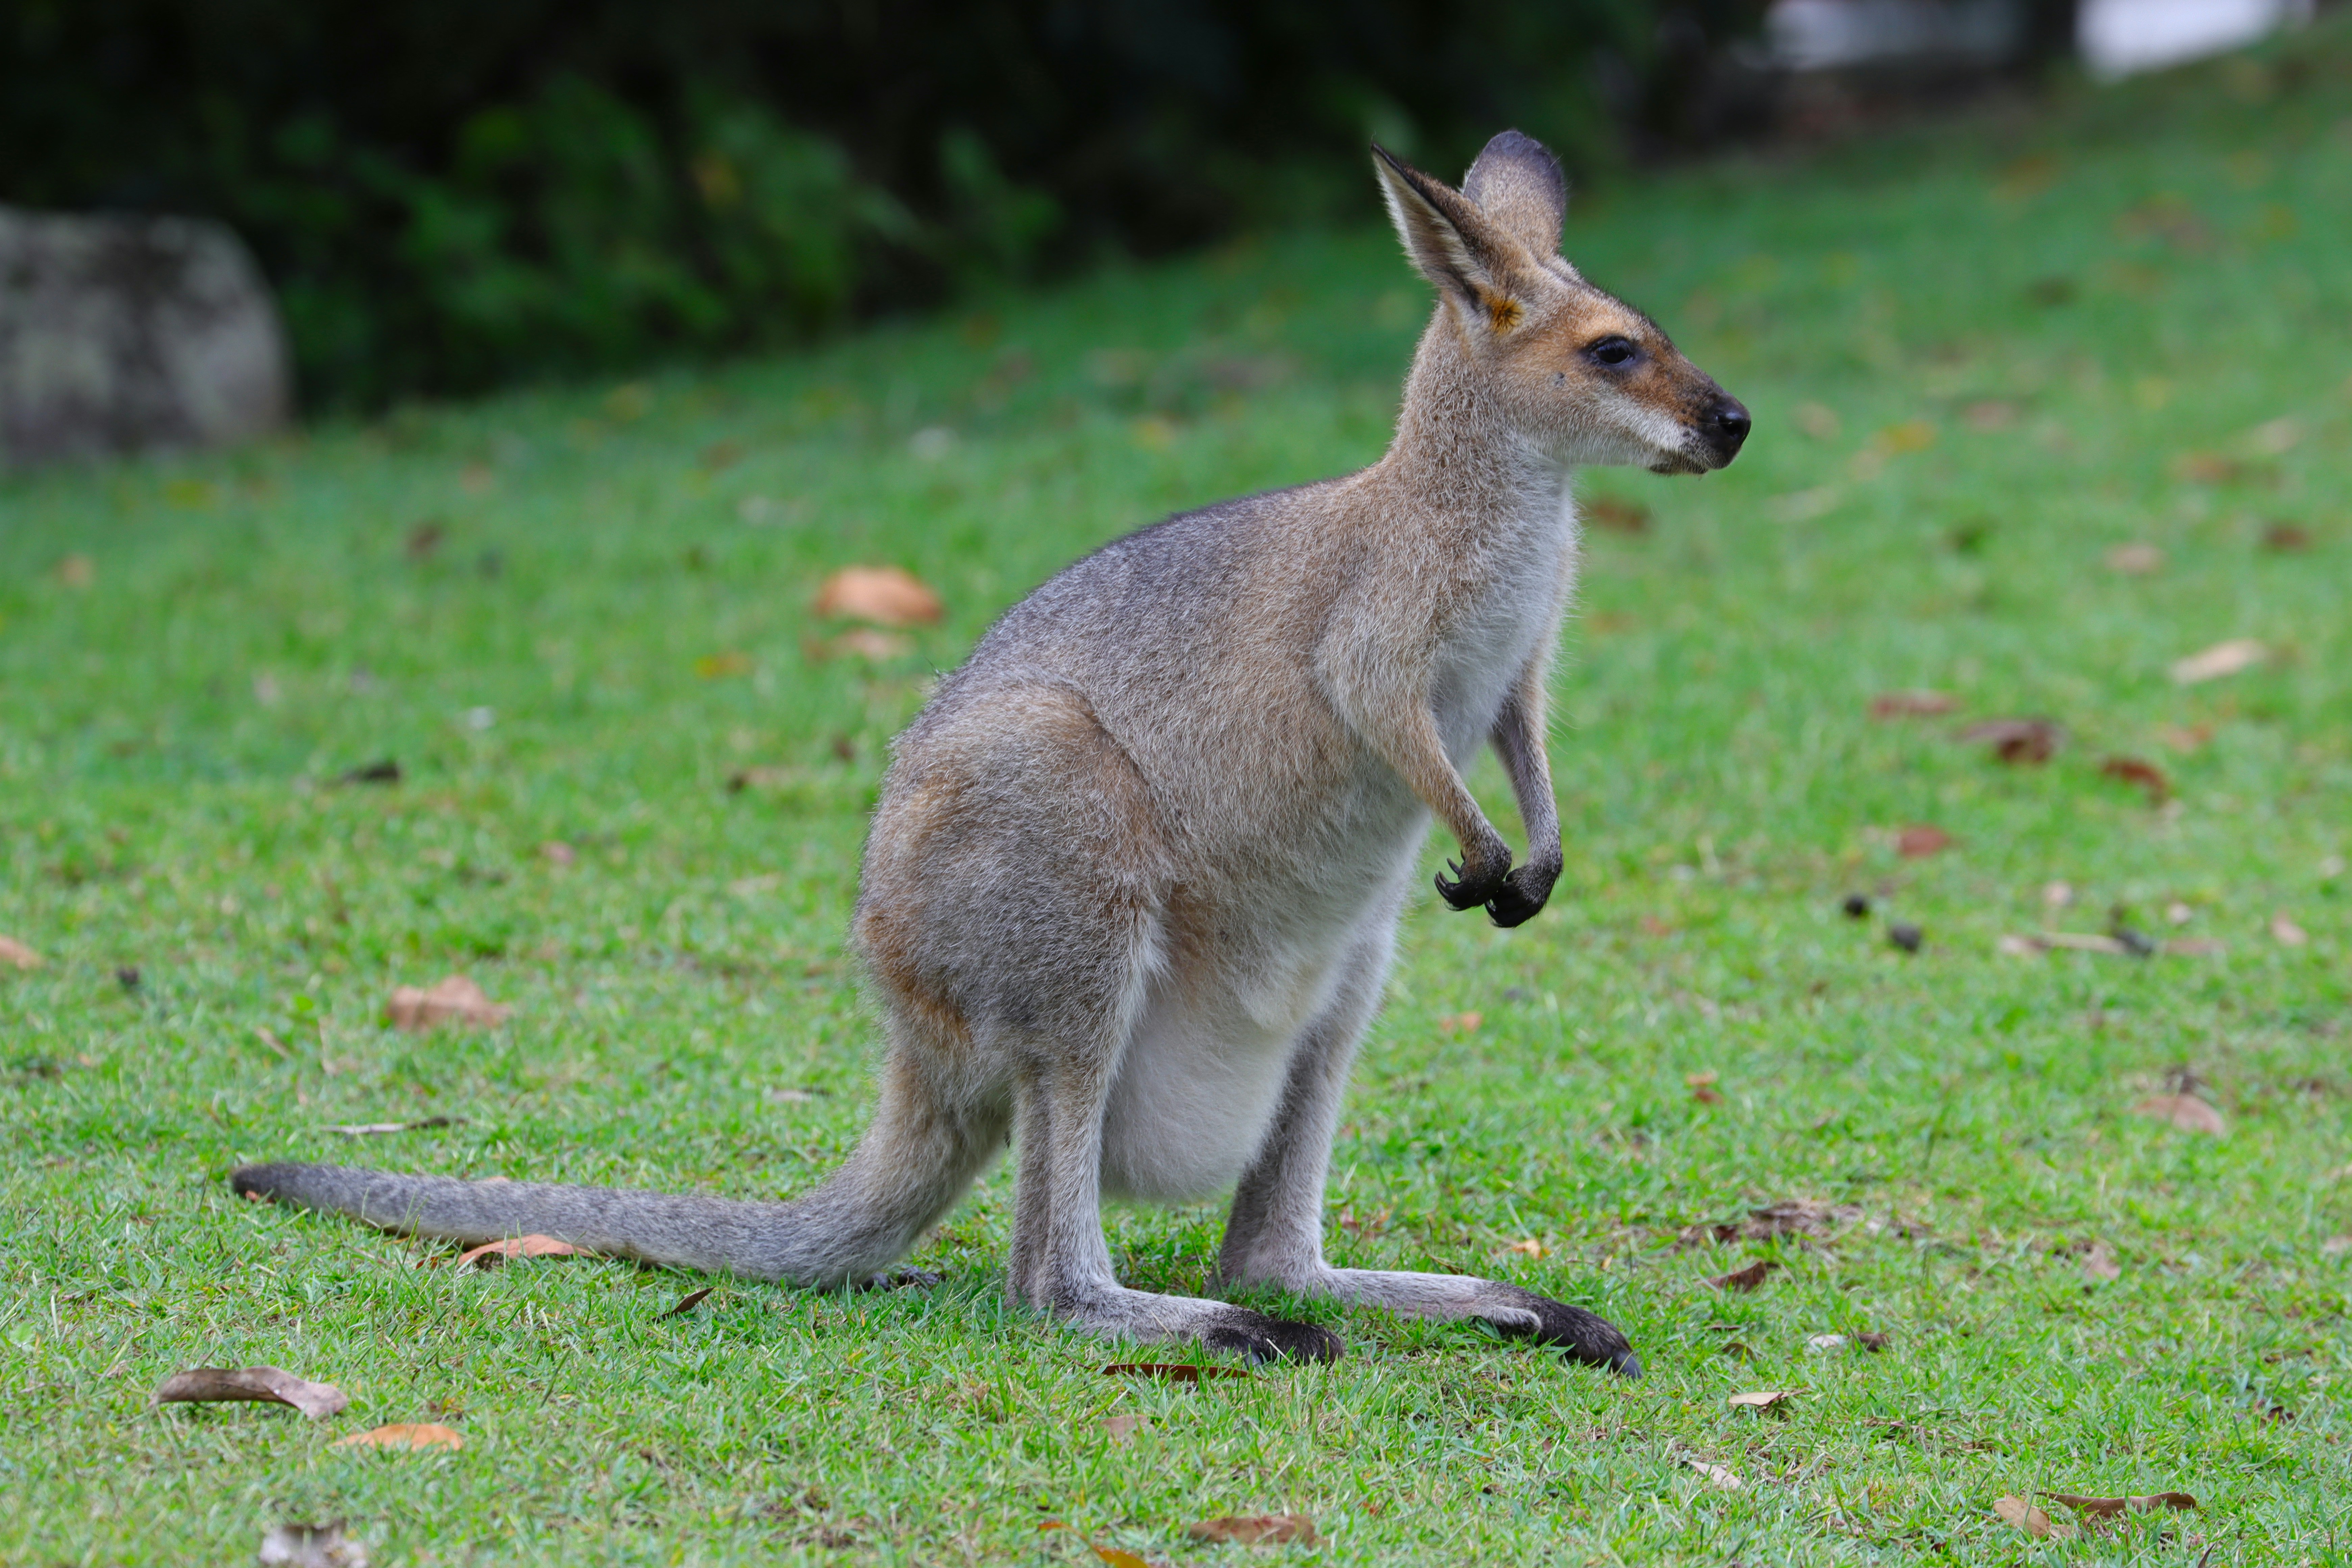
1586	1337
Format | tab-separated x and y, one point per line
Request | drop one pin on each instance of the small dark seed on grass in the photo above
1856	906
1905	936
1873	1341
386	772
127	976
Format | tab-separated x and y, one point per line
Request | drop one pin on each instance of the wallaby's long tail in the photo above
863	1219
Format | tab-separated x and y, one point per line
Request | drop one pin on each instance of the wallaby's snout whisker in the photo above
1135	876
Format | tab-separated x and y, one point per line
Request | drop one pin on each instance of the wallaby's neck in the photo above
1455	449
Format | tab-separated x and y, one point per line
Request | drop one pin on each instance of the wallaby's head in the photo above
1583	375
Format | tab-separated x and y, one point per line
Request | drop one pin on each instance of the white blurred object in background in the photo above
2119	38
1827	34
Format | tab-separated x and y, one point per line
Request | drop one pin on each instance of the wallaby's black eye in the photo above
1614	350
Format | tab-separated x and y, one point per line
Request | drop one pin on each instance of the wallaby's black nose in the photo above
1729	425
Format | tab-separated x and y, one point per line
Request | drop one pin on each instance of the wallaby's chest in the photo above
1508	615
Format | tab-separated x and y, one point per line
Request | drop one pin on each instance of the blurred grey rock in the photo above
121	334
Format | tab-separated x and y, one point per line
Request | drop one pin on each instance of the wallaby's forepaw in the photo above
902	1277
1265	1338
1522	895
1475	888
1586	1336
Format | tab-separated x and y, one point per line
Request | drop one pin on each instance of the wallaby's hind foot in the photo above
1118	1312
1586	1337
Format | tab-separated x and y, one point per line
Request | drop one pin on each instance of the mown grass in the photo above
2016	346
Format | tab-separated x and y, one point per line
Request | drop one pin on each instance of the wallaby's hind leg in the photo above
1009	914
1274	1235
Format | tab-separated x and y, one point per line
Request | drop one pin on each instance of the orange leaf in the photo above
1920	839
490	1253
1747	1278
882	595
406	1434
2108	1507
2016	1511
2146	775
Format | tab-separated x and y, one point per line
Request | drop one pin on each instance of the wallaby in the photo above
1134	880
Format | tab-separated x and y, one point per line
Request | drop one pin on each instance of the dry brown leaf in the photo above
1257	1530
2204	468
1747	1278
1911	704
2185	1111
2135	560
2288	933
2145	774
1874	1342
2221	659
689	1301
1702	1087
311	1546
1461	1022
2022	1514
490	1253
16	955
2286	538
1716	1475
1124	1430
1790	1216
1762	1398
406	1434
882	595
1919	839
2185	738
1529	1247
457	1000
1617	516
2016	740
264	1384
2109	1506
1175	1372
2099	1262
2196	947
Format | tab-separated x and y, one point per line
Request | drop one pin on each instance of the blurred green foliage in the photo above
450	196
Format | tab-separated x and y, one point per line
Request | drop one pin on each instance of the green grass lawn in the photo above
1979	361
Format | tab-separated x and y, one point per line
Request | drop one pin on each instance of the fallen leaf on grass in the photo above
2204	468
689	1301
1716	1476
2196	947
2022	1514
384	771
2099	1262
2135	560
1790	1216
720	665
406	1434
2109	1506
1124	1430
1702	1087
456	1000
1747	1278
1118	1557
2185	1111
1874	1342
2286	538
2221	659
263	1384
1529	1248
1911	704
2016	740
1257	1530
2185	738
1920	839
16	955
2286	931
311	1546
2145	774
1461	1022
490	1253
1175	1372
76	571
882	595
1617	516
382	1129
1821	1344
1762	1398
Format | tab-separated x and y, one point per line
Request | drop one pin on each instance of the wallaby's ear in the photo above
1474	264
1516	182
